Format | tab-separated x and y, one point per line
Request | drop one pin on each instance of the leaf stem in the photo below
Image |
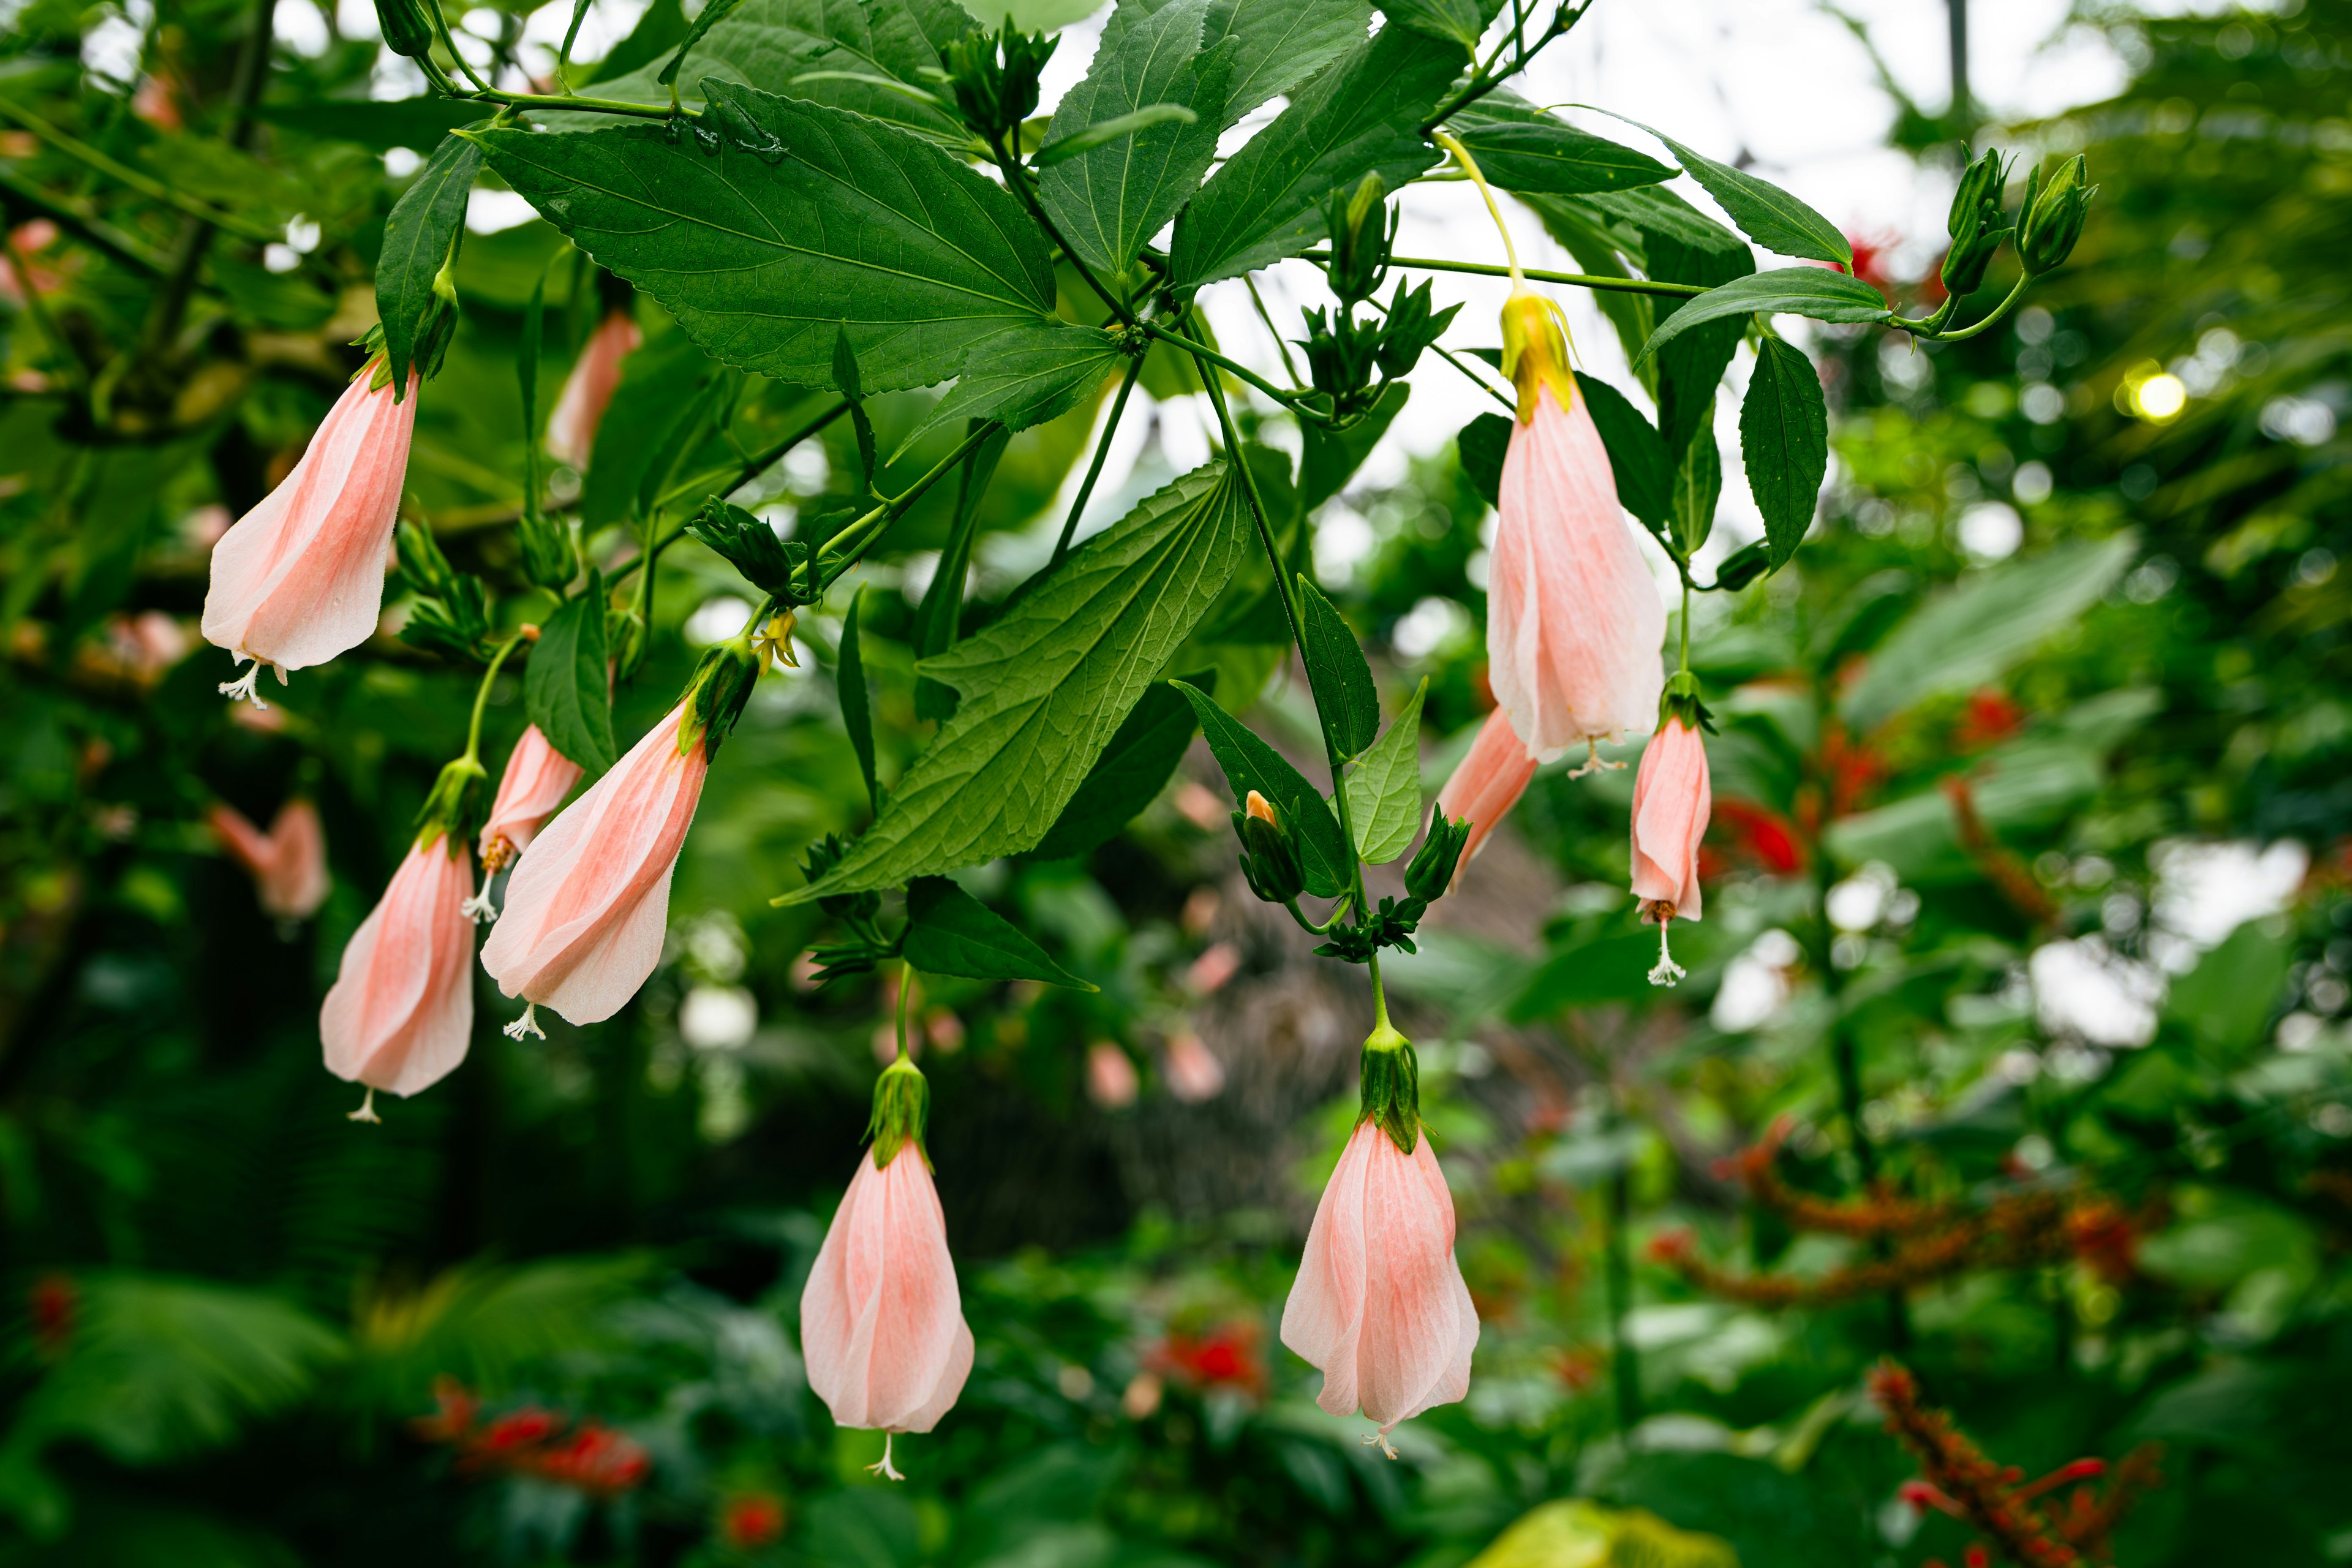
876	523
1574	280
1295	401
1289	368
1094	469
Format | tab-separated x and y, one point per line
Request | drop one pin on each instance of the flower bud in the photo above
1391	1086
1984	181
1430	870
2053	217
449	808
1268	862
748	544
548	559
721	685
1361	230
408	31
1976	238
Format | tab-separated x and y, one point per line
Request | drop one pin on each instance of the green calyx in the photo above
716	694
1391	1095
1680	700
450	808
902	1103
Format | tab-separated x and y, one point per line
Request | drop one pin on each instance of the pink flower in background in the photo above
537	779
588	391
1487	783
288	864
1111	1082
588	903
1574	622
1194	1074
1379	1305
882	1323
299	578
402	1008
1671	799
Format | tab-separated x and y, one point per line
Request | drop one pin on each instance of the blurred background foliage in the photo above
2027	948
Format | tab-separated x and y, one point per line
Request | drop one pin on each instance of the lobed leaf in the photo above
1024	375
1129	774
1463	21
1279	44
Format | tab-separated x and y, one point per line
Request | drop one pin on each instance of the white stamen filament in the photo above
1593	762
883	1466
366	1112
1667	971
1382	1437
526	1025
241	689
478	909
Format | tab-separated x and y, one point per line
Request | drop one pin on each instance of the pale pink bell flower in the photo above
537	779
299	578
588	903
402	1008
1194	1074
1379	1304
288	864
588	390
1111	1082
1574	622
1671	799
1487	782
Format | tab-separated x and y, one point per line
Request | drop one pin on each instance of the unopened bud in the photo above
1361	230
902	1106
1269	864
1975	240
1983	181
1391	1086
406	29
1430	870
421	562
548	559
2053	217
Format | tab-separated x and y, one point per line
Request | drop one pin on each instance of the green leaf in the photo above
801	222
427	220
1967	637
1463	21
378	127
1661	213
1385	788
1328	459
1046	687
1698	486
1798	291
1764	212
1688	371
853	391
1361	116
1279	44
1251	764
1129	774
655	411
1637	456
657	33
856	705
1109	199
1024	375
1784	440
940	615
566	686
2224	1002
1344	694
1551	157
1483	443
949	931
712	13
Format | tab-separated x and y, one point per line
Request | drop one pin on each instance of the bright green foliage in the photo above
1128	776
1302	814
1385	788
1804	291
565	683
1461	20
1764	212
418	238
949	931
1784	442
1026	375
1344	694
1638	461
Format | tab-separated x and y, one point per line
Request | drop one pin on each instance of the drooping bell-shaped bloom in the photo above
402	1008
299	578
588	390
1112	1081
1195	1073
537	779
588	903
1487	782
1379	1304
882	1326
288	864
1671	798
1574	622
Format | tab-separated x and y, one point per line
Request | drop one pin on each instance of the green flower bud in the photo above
1986	180
715	696
1430	870
902	1104
1268	862
749	546
1362	229
1392	1091
1975	242
426	570
2053	217
408	29
548	559
449	809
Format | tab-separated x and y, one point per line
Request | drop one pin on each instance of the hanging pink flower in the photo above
299	578
1671	798
402	1008
537	779
588	390
588	903
288	864
1487	782
882	1326
1111	1082
1194	1074
1574	622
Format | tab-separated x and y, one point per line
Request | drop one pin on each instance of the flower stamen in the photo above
1594	763
883	1466
526	1025
242	690
478	909
1380	1437
366	1112
1667	971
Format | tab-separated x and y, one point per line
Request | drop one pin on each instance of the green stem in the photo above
2024	281
587	105
1574	280
1379	995
1486	78
1094	469
1294	401
906	988
750	468
144	183
1686	602
482	699
1016	177
1290	367
876	523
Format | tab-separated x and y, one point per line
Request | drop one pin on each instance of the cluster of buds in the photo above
1270	865
1976	224
541	1444
776	567
994	76
450	611
2051	217
2049	221
1342	352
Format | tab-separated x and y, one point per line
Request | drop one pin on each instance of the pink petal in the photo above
1672	801
588	390
297	881
536	780
402	1008
1489	782
882	1326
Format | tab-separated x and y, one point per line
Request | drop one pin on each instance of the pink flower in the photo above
1671	799
299	578
1573	618
1111	1082
589	901
882	1320
288	864
1489	782
402	1008
537	779
1379	1304
588	391
1194	1074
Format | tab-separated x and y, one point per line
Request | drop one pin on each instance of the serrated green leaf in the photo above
1280	43
1129	774
1765	213
712	13
857	702
1385	788
1655	212
1344	694
1024	375
1637	457
949	931
566	685
1103	133
1361	116
1046	687
1483	443
800	222
1109	200
1698	486
1784	441
1687	374
1551	157
1249	763
427	220
1462	21
1328	459
1797	291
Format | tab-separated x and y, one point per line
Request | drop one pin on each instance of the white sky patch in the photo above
488	211
2084	990
2205	890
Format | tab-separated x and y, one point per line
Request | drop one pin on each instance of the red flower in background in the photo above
1226	1356
1991	718
54	1303
1762	834
751	1519
540	1443
1871	254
